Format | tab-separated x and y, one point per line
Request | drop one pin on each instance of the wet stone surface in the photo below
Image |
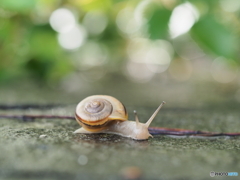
47	149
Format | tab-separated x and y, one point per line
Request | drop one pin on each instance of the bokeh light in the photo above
91	54
82	160
127	22
182	19
95	22
62	20
158	60
138	72
230	5
73	38
148	57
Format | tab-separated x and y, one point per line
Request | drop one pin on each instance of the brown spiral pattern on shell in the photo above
96	109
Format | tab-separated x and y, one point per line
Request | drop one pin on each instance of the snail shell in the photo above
95	113
105	114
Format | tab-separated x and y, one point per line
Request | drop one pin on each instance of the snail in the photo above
106	114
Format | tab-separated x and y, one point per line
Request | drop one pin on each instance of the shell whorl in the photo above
96	109
94	113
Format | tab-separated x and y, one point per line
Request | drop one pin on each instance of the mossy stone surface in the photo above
47	149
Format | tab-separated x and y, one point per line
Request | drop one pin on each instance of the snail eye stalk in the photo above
136	118
154	114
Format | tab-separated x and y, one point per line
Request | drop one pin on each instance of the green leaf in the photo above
215	37
158	23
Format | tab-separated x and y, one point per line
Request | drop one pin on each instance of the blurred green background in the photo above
69	44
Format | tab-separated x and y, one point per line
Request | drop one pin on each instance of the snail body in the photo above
106	114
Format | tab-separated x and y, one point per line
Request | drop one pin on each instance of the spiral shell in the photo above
94	113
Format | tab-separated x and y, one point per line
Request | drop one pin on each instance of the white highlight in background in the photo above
82	160
146	58
127	22
62	20
72	39
158	60
182	19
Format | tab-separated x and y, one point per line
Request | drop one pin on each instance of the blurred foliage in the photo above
29	46
215	37
158	30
